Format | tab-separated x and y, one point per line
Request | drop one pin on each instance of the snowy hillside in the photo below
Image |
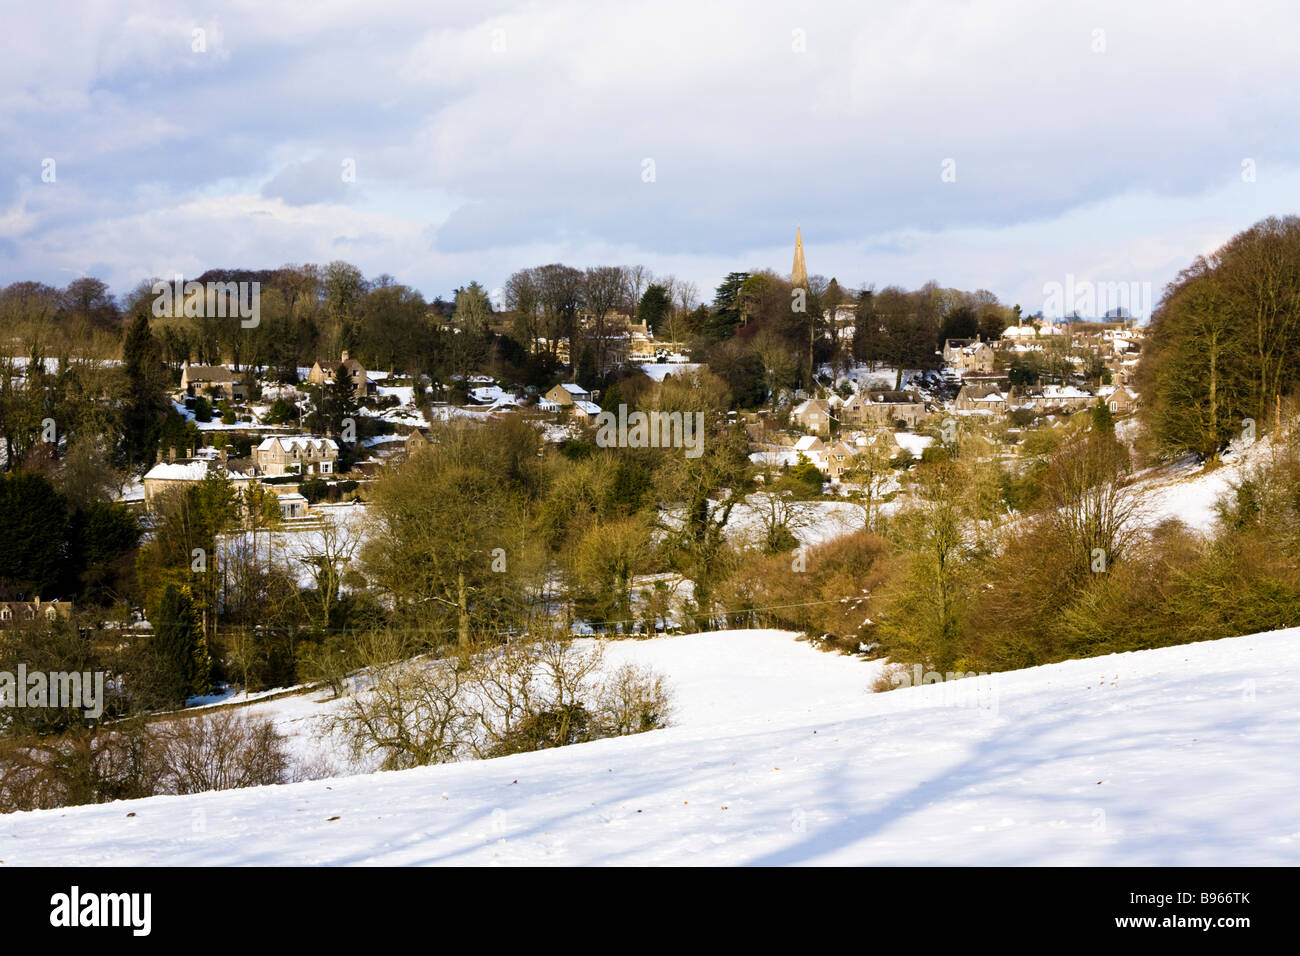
781	754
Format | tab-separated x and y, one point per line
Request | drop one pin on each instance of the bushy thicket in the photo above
1042	594
822	591
132	759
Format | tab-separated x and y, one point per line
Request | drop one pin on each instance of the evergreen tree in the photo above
34	529
726	305
654	306
146	396
587	375
1102	419
175	432
183	667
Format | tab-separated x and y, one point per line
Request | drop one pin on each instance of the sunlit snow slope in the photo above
1185	755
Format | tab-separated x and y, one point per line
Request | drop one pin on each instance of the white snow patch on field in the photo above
1177	756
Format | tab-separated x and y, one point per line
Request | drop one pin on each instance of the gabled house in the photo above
980	398
324	371
853	410
814	415
566	394
15	612
886	407
199	380
1120	399
296	455
416	441
839	459
969	355
882	440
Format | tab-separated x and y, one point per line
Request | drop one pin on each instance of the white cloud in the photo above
491	137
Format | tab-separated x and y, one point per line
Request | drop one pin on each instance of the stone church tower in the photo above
798	274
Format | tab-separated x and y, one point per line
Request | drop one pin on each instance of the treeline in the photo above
1223	347
902	329
759	332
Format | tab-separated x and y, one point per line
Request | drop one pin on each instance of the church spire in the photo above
799	274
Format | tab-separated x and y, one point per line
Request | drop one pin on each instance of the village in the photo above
858	415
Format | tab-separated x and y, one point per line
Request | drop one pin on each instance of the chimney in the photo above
345	355
221	454
171	453
37	602
189	453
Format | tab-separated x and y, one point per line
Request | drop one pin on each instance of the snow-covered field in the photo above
781	755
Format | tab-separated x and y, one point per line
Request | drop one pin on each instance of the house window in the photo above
1114	406
6	614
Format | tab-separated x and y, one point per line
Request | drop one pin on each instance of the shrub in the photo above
133	759
223	750
632	700
314	490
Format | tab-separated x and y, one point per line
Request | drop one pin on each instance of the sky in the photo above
1002	145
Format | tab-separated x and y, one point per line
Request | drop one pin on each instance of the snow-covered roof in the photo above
178	471
297	441
1064	391
591	408
190	471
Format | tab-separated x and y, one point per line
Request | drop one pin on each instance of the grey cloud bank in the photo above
488	139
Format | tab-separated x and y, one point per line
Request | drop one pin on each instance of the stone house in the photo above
976	398
814	415
296	455
323	371
1120	399
566	394
199	380
15	612
887	407
181	473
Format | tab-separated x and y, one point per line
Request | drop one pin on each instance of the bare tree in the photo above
523	298
604	291
1086	504
327	555
636	279
781	516
560	290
